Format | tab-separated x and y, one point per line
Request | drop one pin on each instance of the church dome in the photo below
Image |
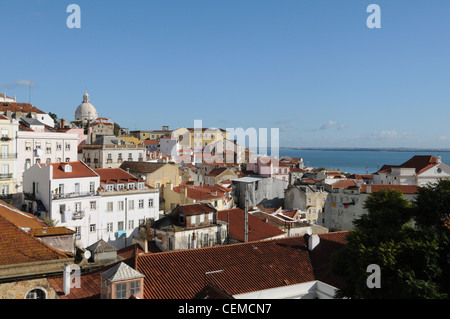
85	111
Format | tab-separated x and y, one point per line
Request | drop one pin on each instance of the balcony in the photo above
8	156
5	139
6	176
74	195
78	215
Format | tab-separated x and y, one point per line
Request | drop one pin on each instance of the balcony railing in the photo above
78	215
74	195
6	176
8	155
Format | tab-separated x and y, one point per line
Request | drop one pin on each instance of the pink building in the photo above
269	167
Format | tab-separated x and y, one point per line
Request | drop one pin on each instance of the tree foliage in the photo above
409	255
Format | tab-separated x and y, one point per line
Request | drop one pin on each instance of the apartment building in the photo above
107	204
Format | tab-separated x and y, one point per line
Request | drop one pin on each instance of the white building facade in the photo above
75	196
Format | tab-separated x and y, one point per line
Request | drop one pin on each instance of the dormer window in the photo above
122	282
67	168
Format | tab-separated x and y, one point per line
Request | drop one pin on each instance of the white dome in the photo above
85	111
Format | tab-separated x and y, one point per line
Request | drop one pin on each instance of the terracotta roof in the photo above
18	247
79	170
420	163
405	189
201	193
217	171
258	229
51	231
115	175
196	209
20	218
19	107
235	269
222	271
143	167
348	183
321	256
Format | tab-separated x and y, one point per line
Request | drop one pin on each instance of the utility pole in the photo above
246	214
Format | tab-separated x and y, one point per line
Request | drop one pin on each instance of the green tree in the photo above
431	213
54	117
384	236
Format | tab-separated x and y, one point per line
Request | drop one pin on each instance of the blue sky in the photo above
313	69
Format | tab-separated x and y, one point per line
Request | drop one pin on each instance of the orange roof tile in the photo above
258	229
79	170
405	189
19	218
238	268
116	175
18	247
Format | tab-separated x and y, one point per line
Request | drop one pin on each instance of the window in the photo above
58	146
48	160
78	206
215	203
141	203
61	189
58	160
37	293
92	228
4	132
210	216
67	159
135	287
77	232
27	146
38	160
141	222
150	202
131	186
93	205
48	148
109	227
62	208
120	205
131	205
120	187
131	224
121	290
27	163
193	219
77	188
202	218
109	206
109	188
120	226
92	187
67	146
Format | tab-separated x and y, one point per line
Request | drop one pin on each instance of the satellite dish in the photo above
309	231
87	254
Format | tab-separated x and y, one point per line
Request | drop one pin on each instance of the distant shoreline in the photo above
357	149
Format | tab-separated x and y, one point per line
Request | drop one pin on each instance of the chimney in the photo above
66	279
313	241
438	159
146	246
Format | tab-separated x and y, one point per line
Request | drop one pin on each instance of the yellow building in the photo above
218	196
192	137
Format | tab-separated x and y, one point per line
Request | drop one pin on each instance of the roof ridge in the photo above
40	242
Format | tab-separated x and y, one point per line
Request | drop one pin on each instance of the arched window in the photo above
36	293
